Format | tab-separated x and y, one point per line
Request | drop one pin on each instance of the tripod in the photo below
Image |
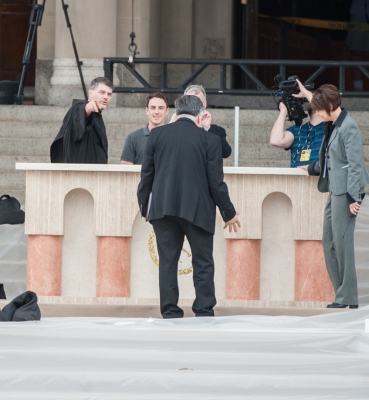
34	23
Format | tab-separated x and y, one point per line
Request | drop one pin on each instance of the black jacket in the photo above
183	168
219	131
80	140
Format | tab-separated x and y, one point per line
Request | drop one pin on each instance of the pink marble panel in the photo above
312	282
243	269
44	264
113	266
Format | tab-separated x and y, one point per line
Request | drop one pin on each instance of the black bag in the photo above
10	212
2	292
22	308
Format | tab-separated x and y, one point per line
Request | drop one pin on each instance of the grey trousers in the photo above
338	245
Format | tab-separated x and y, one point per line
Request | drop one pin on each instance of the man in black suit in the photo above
183	169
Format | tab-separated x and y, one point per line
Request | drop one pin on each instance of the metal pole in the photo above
236	134
79	63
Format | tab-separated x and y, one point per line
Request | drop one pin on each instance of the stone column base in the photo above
312	282
243	269
44	264
113	266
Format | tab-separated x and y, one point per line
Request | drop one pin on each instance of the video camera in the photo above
294	105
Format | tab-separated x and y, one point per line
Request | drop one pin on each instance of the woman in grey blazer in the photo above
342	173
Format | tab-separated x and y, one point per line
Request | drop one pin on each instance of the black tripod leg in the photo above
34	22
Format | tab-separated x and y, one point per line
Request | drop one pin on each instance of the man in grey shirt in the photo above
157	108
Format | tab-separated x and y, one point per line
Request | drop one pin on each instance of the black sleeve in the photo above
314	168
147	177
80	123
218	188
219	131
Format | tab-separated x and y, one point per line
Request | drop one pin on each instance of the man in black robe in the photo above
82	138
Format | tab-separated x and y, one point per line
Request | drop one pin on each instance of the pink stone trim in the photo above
44	264
113	266
243	269
312	282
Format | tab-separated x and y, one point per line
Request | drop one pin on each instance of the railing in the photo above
244	66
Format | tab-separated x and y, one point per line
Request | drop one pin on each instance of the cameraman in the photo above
304	141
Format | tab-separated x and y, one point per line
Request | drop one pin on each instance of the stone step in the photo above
115	131
130	115
41	147
138	116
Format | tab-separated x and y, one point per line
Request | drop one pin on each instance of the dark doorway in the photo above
14	24
281	39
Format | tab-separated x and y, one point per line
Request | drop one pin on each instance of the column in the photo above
243	269
113	266
94	30
44	264
312	282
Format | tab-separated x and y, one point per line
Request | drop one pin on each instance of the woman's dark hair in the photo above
326	98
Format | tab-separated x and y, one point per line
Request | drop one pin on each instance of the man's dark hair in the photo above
189	104
105	81
159	95
326	98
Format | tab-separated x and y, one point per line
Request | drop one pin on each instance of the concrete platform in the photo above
145	308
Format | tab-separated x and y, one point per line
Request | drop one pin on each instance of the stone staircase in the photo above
26	133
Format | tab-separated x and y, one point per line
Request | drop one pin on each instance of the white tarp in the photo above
13	259
236	357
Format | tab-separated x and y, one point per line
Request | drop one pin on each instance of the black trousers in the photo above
170	233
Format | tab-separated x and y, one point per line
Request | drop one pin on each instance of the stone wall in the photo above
163	28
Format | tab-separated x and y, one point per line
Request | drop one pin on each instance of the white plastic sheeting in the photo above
238	357
362	252
13	259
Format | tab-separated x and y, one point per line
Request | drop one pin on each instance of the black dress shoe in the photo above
338	305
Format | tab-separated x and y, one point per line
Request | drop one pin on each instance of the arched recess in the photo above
277	258
79	250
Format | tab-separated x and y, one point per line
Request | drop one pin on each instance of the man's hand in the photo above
355	208
304	93
92	106
206	120
233	223
305	168
282	108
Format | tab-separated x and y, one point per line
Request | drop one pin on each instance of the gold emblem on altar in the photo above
184	262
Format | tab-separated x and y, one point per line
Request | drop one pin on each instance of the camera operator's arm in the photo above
279	137
304	93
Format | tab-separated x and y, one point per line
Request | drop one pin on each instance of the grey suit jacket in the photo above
341	167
